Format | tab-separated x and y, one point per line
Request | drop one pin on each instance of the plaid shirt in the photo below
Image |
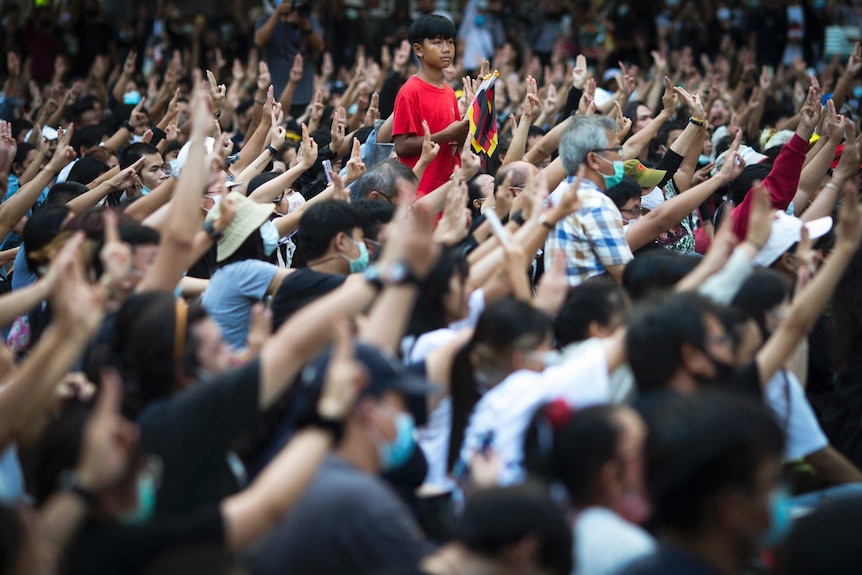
591	238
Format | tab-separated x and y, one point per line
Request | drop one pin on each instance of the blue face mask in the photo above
146	501
270	236
619	173
780	520
145	190
360	263
480	20
857	92
396	453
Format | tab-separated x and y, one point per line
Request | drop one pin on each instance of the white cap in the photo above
749	156
183	155
786	231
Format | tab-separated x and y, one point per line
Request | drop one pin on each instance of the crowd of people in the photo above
270	305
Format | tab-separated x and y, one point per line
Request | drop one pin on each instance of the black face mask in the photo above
725	373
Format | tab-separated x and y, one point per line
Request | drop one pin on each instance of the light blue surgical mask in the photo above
270	236
780	520
857	92
146	489
359	264
617	176
145	190
132	98
396	453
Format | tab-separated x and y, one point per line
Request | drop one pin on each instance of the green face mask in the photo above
360	263
146	501
617	176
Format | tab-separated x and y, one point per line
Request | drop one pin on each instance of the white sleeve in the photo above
785	397
581	380
722	286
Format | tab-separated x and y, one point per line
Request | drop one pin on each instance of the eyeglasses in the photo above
617	149
633	212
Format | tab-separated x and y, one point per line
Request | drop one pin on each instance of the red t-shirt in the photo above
416	101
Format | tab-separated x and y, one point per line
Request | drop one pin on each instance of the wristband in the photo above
518	218
696	121
209	228
313	419
271	150
128	126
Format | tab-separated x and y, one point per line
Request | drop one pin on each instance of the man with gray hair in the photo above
383	182
592	238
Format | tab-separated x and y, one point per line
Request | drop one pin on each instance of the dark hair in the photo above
251	248
429	312
657	333
498	518
656	271
594	301
738	188
474	192
14	536
87	136
847	314
260	180
762	291
575	452
136	151
824	542
320	223
22	152
383	178
627	189
430	27
39	231
86	170
630	110
504	326
698	446
373	214
665	130
131	233
64	192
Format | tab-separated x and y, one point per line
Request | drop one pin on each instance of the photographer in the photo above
291	29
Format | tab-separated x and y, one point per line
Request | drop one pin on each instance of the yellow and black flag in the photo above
483	117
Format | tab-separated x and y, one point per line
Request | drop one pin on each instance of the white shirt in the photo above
505	411
786	398
605	543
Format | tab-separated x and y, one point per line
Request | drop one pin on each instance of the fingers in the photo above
112	233
357	152
427	131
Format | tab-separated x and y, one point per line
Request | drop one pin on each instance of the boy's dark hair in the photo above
135	152
22	152
495	520
656	271
430	27
657	333
764	290
700	446
260	180
39	231
63	193
87	137
373	214
86	170
624	191
320	223
590	302
738	188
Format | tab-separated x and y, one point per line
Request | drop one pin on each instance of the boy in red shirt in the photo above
425	97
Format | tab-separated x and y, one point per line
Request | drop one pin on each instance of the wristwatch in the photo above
395	274
69	482
209	228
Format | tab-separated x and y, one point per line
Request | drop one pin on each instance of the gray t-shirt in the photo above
232	291
347	521
283	46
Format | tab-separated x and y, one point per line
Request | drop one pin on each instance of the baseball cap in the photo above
645	177
748	154
786	231
385	373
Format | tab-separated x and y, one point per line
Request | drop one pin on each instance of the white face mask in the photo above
216	200
295	201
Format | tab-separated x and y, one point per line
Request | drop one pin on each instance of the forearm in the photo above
436	199
635	145
389	317
271	190
13	209
286	96
547	144
90	198
62	516
120	86
256	167
253	146
144	207
531	236
832	467
685	173
518	147
19	302
842	88
262	36
254	511
821	206
813	173
32	169
257	110
119	140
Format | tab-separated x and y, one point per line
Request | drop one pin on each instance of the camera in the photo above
301	7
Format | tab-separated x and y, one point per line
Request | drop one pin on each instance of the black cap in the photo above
385	373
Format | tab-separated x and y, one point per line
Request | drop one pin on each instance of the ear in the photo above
785	263
694	360
591	161
338	242
522	555
417	49
595	329
373	195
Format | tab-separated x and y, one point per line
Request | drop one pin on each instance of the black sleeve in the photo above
671	162
119	548
572	101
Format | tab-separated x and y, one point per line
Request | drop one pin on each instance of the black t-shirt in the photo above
113	548
192	431
206	266
300	288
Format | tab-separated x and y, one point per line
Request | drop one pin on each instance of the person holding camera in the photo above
289	30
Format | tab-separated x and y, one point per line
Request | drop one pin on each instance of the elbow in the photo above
260	41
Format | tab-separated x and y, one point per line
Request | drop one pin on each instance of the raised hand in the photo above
553	287
263	76
549	106
277	132
373	113
64	154
337	131
127	177
430	148
296	70
345	376
455	222
854	63
809	115
470	162
138	118
579	72
217	91
624	124
129	64
355	165
8	147
116	256
669	98
693	103
308	150
532	104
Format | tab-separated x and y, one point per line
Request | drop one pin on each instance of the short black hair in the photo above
592	301
698	446
320	223
86	170
738	188
260	180
87	137
626	190
430	27
39	231
22	152
135	152
383	178
374	215
824	542
762	291
657	333
656	271
496	519
64	192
